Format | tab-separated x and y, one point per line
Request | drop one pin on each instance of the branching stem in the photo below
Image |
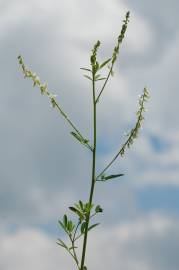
93	180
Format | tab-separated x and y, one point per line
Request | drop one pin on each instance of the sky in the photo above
43	170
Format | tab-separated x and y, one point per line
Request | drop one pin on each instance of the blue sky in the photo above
42	168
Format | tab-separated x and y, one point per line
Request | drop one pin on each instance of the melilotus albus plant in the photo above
86	211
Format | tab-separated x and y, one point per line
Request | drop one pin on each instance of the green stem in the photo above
74	252
93	180
70	123
102	89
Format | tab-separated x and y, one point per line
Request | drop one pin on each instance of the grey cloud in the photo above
150	242
35	147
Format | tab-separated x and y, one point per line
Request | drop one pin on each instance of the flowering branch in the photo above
44	90
115	52
132	134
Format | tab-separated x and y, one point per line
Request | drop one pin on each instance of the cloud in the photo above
42	169
150	242
29	249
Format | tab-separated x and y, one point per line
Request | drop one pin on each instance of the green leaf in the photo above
81	205
112	73
109	177
72	247
104	63
96	66
62	244
88	77
62	225
76	211
93	226
98	209
97	77
78	206
86	69
79	138
65	220
113	176
70	226
101	79
88	207
73	209
83	225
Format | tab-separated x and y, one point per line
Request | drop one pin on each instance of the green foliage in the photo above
84	212
105	178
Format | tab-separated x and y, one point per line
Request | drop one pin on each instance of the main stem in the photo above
93	176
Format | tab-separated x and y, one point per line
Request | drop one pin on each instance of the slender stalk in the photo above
71	124
44	90
110	71
93	179
74	252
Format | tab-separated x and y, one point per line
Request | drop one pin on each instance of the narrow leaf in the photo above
76	211
79	138
101	79
83	225
70	226
88	77
62	244
97	77
92	226
104	63
81	205
62	225
76	136
73	209
113	176
65	220
86	69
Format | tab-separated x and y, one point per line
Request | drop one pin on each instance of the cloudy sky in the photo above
43	170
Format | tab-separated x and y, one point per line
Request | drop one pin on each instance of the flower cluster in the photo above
36	82
94	63
134	132
120	38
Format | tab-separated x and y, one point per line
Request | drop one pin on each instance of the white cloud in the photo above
147	243
140	36
31	249
56	39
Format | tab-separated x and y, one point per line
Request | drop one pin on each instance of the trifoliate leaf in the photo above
98	209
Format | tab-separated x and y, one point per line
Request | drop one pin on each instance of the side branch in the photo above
133	133
44	90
